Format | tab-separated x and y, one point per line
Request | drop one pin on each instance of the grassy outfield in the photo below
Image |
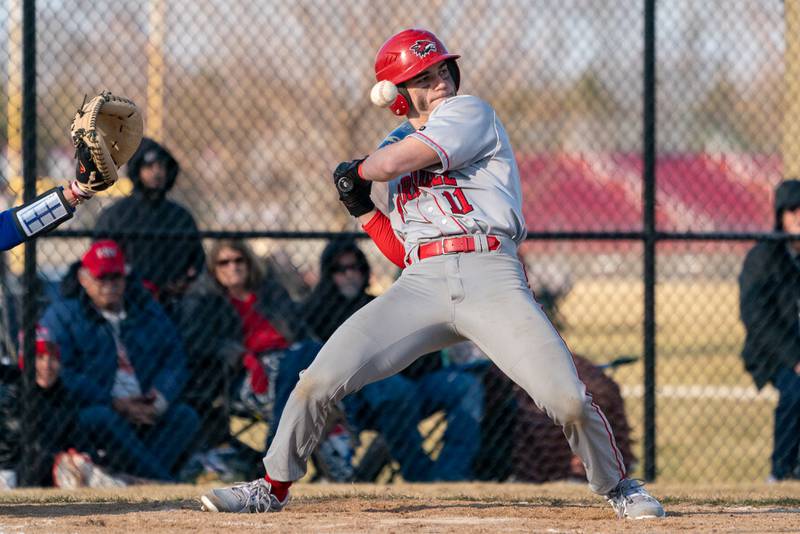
711	424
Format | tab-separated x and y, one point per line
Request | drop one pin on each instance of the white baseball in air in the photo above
383	93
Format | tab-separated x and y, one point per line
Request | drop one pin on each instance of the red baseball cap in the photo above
104	258
45	346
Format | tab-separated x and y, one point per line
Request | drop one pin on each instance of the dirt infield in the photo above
461	508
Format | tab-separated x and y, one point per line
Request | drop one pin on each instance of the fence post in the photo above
29	275
649	194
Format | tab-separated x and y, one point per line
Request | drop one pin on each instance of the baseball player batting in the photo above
453	221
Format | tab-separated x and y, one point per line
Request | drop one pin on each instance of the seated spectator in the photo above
768	301
174	258
213	340
123	365
52	416
396	405
48	399
276	348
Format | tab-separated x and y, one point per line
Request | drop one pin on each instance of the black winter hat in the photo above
149	152
787	197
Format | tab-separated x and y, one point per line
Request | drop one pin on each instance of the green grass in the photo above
698	342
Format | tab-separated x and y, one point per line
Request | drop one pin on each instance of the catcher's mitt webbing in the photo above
43	213
110	128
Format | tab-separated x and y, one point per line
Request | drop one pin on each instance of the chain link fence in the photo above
250	106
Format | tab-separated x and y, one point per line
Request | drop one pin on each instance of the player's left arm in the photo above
393	160
461	130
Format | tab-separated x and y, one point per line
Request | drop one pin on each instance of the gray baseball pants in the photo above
482	297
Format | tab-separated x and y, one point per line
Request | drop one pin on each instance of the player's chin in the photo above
434	103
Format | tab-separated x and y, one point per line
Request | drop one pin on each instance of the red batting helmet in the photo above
408	53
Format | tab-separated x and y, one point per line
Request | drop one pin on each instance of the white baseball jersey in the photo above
474	190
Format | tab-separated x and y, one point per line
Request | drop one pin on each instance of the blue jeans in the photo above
146	451
787	423
395	405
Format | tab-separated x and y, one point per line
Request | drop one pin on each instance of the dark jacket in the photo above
276	304
89	353
326	308
53	424
769	289
161	260
769	292
207	322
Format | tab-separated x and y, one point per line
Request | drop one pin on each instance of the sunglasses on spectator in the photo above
346	267
227	261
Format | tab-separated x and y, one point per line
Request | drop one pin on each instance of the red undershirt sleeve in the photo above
380	231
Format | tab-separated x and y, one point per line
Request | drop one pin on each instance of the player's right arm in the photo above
379	229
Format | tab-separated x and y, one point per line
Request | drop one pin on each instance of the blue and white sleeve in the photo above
37	217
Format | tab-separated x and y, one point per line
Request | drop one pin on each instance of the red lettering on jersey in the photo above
458	201
411	184
408	189
424	179
400	205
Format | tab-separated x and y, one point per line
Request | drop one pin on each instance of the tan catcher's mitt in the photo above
106	131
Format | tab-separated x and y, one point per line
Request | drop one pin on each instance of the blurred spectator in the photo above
123	364
769	302
395	406
275	340
213	340
165	261
53	426
48	399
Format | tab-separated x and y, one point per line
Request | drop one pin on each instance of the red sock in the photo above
279	489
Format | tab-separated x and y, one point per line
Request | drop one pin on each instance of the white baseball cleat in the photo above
249	497
630	500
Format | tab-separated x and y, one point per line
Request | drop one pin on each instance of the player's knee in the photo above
315	387
572	410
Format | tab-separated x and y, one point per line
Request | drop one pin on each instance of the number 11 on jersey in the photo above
459	204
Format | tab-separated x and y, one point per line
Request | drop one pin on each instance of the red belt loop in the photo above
454	245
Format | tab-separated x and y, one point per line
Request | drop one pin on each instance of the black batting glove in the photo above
354	191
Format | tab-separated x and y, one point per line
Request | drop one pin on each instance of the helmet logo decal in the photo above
423	47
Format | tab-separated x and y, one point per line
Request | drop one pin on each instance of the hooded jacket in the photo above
89	352
769	297
326	308
164	259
